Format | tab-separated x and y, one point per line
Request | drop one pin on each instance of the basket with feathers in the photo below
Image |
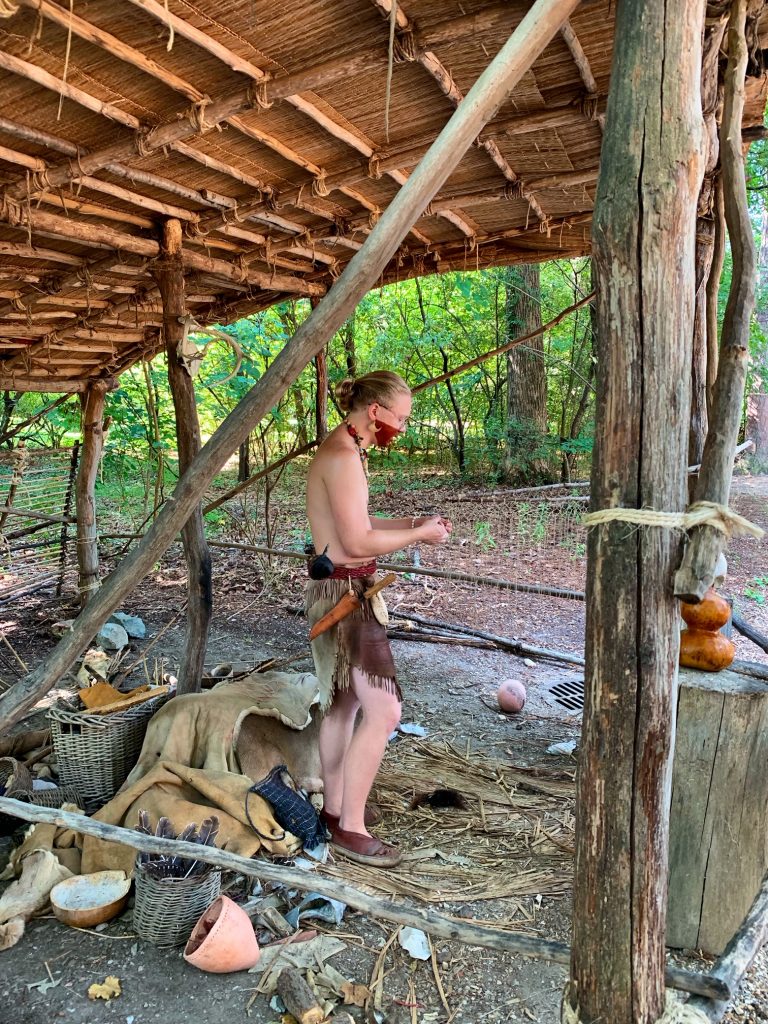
172	891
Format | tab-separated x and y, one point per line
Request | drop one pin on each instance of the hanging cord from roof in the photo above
66	58
390	62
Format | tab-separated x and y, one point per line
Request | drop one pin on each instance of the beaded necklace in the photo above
363	452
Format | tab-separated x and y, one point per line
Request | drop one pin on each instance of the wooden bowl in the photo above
87	900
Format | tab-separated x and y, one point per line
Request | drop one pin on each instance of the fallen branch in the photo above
750	632
309	881
507	644
257	476
413	570
737	957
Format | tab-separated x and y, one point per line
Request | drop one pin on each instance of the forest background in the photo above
523	417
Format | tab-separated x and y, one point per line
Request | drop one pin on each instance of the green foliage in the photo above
757	589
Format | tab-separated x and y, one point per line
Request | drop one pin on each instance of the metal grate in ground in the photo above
569	694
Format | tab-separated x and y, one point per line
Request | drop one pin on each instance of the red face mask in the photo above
385	433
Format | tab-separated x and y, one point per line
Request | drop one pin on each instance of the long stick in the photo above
514	646
413	570
257	476
505	348
310	881
737	956
528	41
750	632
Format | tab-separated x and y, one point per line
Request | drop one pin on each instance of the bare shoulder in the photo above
334	457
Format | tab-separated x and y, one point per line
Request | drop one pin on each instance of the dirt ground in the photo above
450	691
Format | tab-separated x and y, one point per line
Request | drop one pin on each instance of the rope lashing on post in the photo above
701	513
675	1012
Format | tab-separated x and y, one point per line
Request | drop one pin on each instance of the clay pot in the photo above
87	900
511	696
223	939
702	646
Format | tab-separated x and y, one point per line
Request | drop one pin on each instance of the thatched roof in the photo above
263	127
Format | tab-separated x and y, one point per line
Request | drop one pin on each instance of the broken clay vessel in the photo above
223	939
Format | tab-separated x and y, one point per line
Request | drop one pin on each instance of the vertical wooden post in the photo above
87	539
643	258
169	274
696	573
66	510
706	228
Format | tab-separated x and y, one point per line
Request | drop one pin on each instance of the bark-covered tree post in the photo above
87	538
169	273
706	230
643	259
526	419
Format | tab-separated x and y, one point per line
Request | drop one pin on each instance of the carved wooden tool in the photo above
346	605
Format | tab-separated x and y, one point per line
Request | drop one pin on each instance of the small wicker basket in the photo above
95	753
21	788
167	909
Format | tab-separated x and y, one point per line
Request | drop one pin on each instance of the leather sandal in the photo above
372	816
364	849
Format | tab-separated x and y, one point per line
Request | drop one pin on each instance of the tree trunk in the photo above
169	274
87	539
321	389
348	339
244	461
526	413
643	258
525	45
757	429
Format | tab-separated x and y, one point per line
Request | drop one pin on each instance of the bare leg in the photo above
335	735
381	713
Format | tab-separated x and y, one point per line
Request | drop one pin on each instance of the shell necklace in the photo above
359	442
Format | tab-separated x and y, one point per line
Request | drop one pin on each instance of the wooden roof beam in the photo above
194	120
116	47
42	384
100	236
430	62
581	61
319	116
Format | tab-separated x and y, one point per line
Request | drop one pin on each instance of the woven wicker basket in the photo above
167	909
95	753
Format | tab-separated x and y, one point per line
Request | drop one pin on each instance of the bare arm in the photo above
347	492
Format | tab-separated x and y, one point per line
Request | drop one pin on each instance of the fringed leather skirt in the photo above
357	641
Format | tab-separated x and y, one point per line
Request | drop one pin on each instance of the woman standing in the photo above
353	660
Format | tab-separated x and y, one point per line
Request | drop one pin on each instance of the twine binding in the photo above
701	513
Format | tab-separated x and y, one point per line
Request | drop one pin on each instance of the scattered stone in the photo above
132	624
112	637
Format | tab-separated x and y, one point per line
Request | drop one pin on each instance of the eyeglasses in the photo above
403	421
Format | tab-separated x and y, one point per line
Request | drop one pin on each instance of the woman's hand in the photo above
433	530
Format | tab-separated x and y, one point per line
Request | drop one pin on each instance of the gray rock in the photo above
132	624
112	637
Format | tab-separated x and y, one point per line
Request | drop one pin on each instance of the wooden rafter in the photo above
327	119
441	74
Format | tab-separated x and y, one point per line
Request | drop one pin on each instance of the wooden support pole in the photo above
321	390
643	255
696	573
481	103
436	924
706	226
87	539
168	272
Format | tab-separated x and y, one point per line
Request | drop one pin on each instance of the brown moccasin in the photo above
364	849
372	816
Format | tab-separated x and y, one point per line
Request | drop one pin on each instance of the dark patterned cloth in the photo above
292	811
